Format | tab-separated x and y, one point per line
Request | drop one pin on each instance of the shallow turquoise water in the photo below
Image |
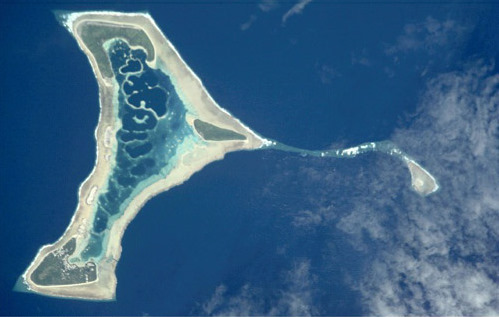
153	124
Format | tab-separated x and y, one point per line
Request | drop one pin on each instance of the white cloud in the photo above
246	303
268	5
295	9
264	6
308	219
327	73
295	299
441	257
437	255
246	25
360	58
430	36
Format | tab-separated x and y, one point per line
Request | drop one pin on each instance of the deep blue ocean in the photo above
260	227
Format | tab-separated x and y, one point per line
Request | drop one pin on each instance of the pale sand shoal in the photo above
421	180
200	105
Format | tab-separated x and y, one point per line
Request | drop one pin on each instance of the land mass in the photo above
158	125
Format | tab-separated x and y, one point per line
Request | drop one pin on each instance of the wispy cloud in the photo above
441	257
427	256
294	300
360	58
264	7
327	73
295	9
430	36
246	25
445	258
268	5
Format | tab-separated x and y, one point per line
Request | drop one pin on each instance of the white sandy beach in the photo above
199	105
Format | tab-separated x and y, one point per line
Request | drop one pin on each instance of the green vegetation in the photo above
96	34
211	132
55	269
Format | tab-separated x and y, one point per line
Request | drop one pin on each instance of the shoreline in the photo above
188	162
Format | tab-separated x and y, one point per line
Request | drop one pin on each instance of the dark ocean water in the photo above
232	224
